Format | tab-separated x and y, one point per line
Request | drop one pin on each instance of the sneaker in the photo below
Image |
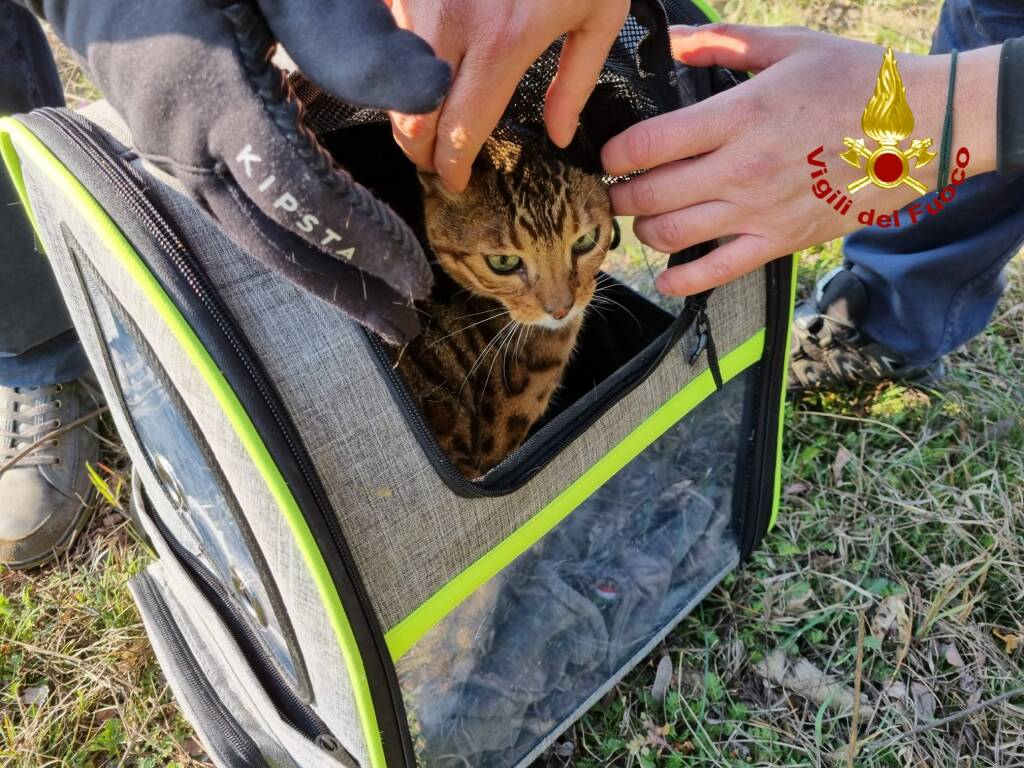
44	494
830	352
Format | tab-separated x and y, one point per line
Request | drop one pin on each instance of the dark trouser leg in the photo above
38	344
934	285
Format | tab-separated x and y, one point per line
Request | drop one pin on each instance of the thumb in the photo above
734	46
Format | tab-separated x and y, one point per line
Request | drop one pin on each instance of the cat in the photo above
517	259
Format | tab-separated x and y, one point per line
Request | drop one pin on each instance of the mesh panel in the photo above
638	81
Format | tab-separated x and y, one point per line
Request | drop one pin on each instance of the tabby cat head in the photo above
528	231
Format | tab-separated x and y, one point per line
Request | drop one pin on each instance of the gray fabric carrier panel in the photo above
332	695
409	532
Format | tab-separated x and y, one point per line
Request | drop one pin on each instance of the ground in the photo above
894	569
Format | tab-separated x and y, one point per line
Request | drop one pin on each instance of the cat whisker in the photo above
523	331
607	300
461	330
401	353
487	380
597	309
496	310
526	340
498	335
504	356
422	311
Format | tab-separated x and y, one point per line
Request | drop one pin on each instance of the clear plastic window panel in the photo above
512	662
203	514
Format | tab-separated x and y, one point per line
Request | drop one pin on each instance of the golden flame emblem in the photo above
888	120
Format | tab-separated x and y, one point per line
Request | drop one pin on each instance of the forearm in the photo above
974	107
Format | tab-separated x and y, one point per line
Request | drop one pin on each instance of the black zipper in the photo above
764	451
384	686
706	341
231	745
293	710
530	457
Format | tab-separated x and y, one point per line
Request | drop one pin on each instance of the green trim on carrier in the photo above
13	133
777	497
707	10
406	633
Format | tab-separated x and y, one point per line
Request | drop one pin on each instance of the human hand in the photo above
490	45
737	164
194	82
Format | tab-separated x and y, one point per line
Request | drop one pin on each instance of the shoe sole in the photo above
931	377
82	518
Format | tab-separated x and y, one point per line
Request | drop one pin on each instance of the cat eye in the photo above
587	242
504	263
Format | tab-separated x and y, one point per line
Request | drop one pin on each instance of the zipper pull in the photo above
702	344
706	343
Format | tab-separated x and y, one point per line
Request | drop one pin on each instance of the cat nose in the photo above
559	313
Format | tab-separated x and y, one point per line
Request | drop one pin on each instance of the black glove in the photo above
194	82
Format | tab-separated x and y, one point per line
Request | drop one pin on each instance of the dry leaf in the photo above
953	657
1011	640
662	679
843	457
795	605
924	702
565	749
896	691
109	521
892	620
795	489
656	735
34	696
106	713
192	747
804	678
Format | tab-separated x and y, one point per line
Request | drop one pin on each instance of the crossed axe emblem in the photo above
888	120
888	166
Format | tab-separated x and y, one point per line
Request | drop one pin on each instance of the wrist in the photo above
974	106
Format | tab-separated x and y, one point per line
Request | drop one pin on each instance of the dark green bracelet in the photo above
947	126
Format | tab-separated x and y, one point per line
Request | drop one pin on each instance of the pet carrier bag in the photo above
327	588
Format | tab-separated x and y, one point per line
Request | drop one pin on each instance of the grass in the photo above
895	569
893	497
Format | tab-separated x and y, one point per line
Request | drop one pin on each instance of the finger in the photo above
736	46
666	188
685	132
482	90
724	264
674	231
415	134
583	55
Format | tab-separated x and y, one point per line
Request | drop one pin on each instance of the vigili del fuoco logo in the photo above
887	161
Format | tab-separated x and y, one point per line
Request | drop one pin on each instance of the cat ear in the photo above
432	185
